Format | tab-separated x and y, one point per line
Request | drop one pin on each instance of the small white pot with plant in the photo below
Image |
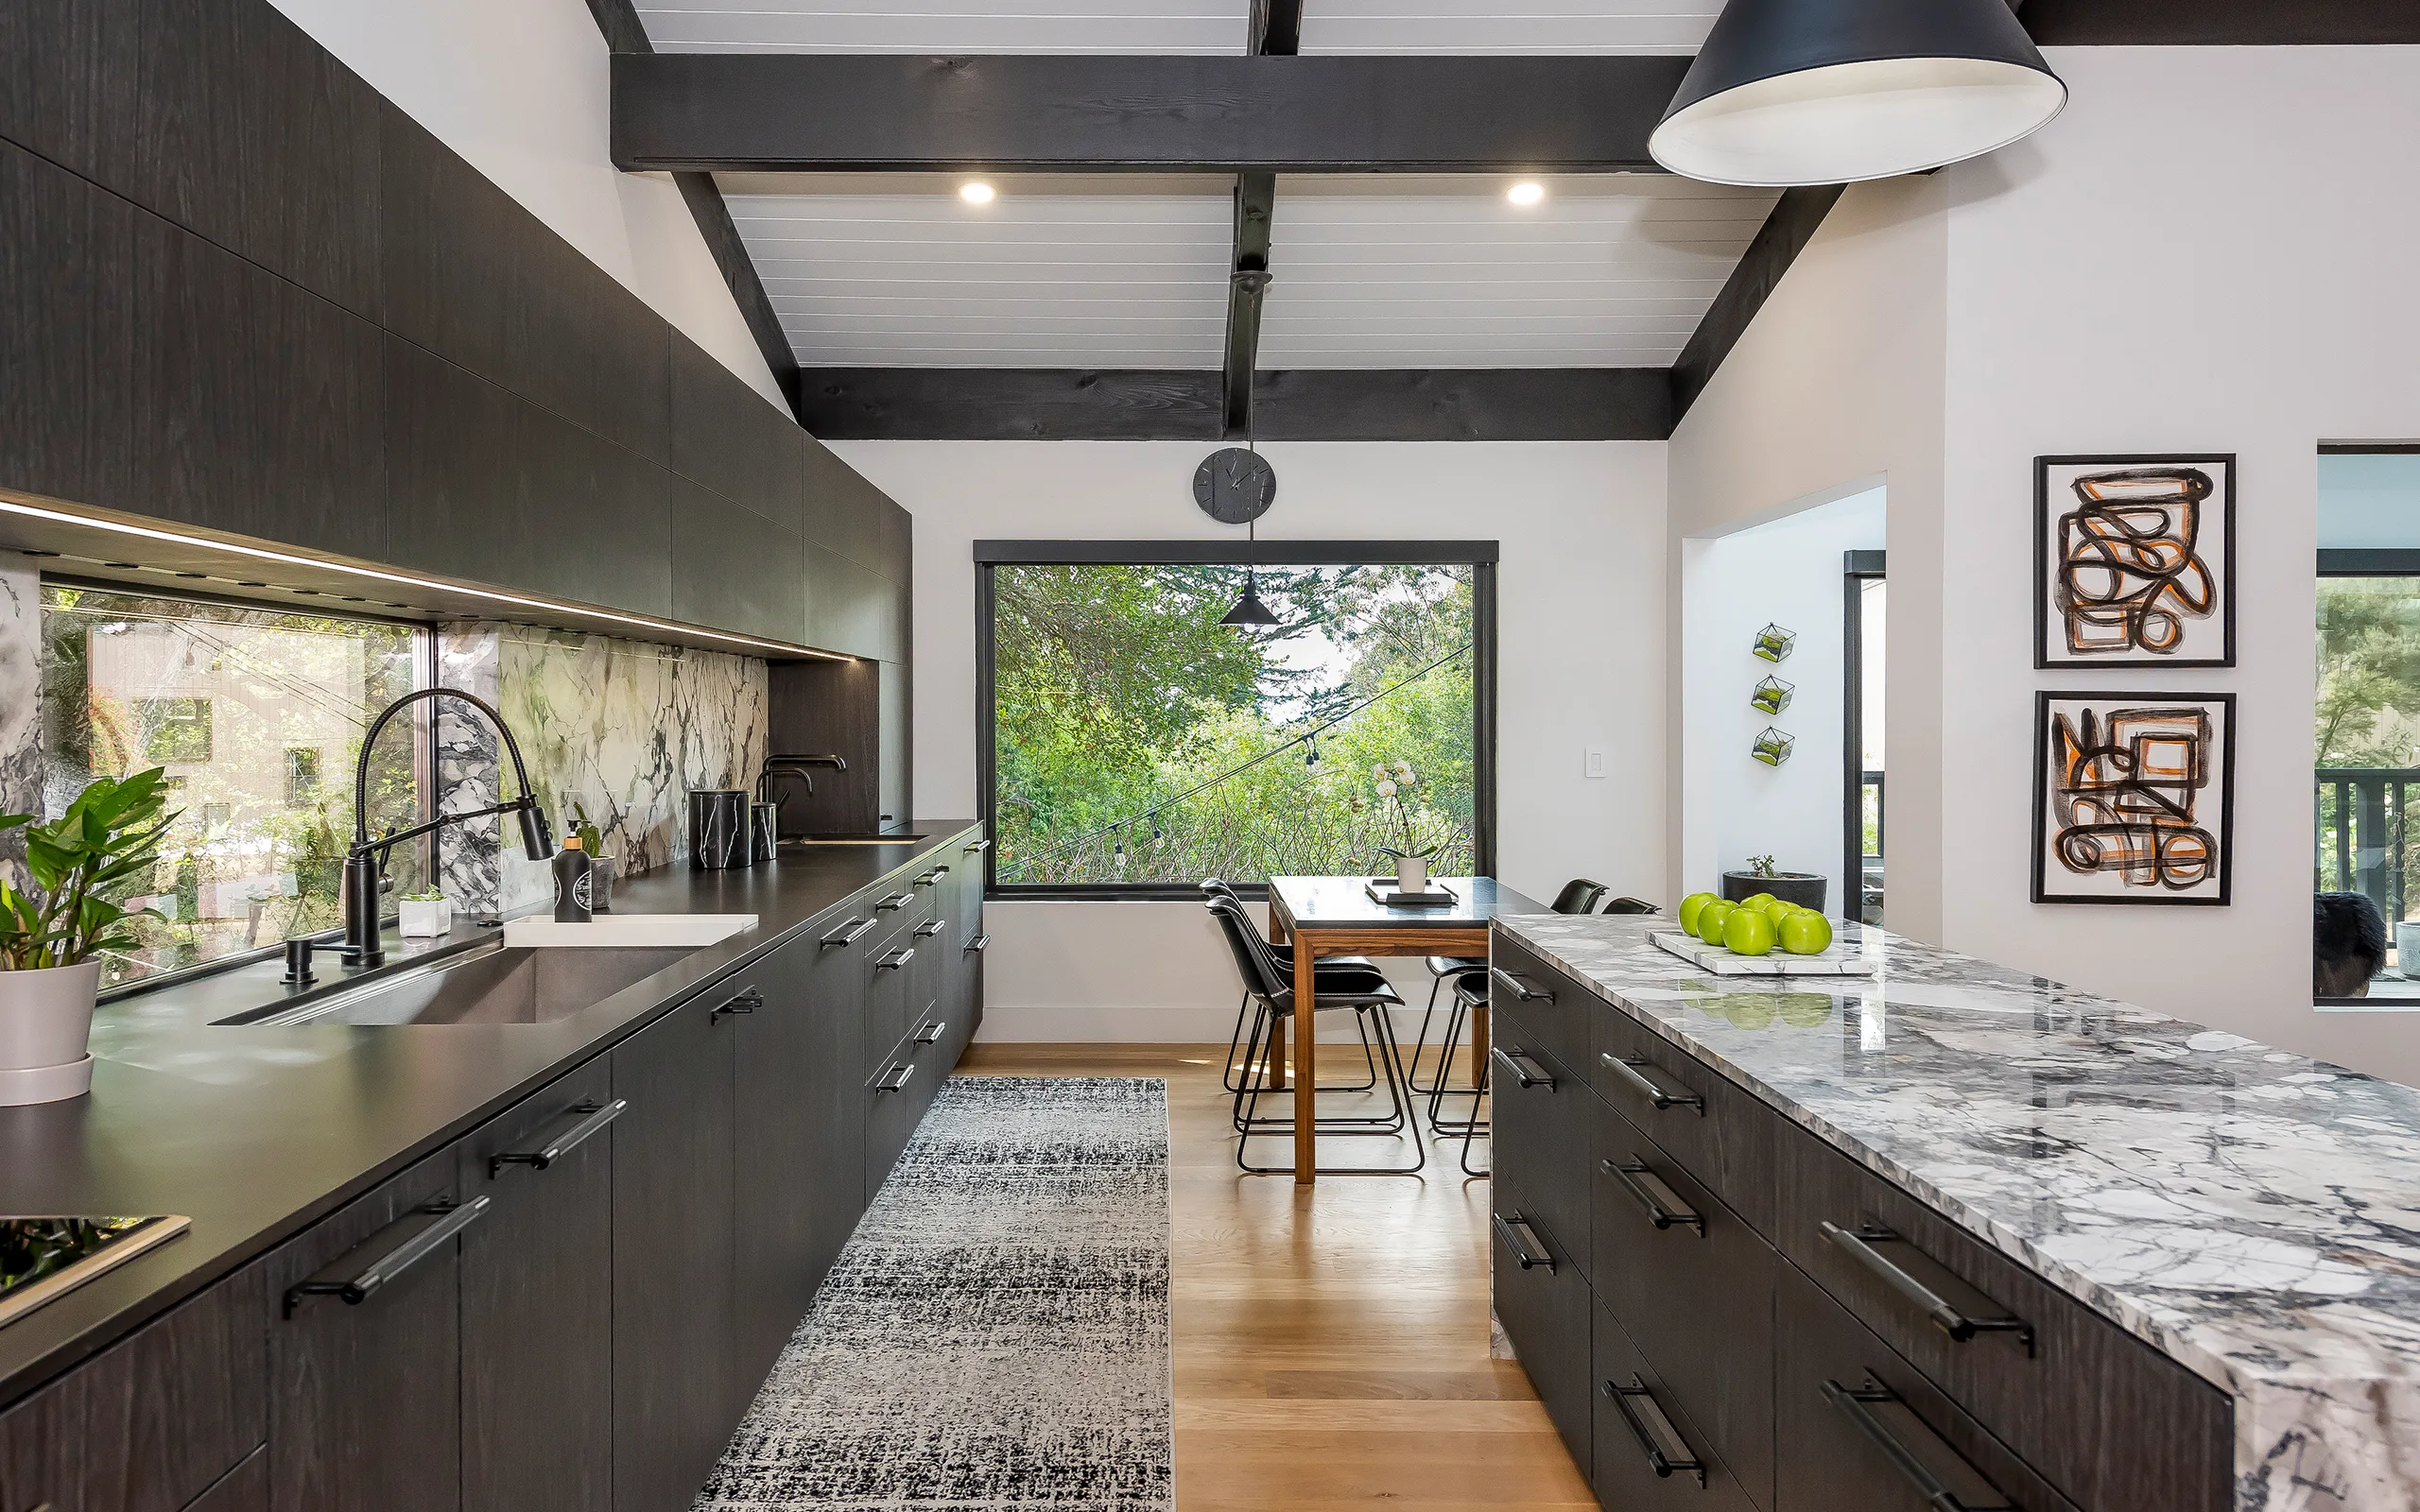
425	915
1410	858
54	933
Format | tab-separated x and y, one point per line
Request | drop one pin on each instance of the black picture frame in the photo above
2043	767
2042	659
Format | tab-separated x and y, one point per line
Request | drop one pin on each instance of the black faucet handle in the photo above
298	962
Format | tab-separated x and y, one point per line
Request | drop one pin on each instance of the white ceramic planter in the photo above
421	918
47	1033
1411	873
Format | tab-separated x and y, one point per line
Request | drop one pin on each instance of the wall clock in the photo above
1235	487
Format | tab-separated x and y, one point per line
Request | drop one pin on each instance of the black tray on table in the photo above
1384	892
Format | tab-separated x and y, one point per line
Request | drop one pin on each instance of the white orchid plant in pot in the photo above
81	868
1395	784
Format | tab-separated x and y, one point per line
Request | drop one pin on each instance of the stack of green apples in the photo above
1752	926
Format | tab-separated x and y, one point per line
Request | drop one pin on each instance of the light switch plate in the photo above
1596	766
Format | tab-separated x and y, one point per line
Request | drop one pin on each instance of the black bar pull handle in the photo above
1628	1069
928	877
931	1032
356	1282
1523	1241
1664	1209
848	934
591	1118
931	927
1523	1072
980	942
1858	1406
747	1000
896	902
1858	1246
974	848
1668	1453
1522	988
895	960
941	869
895	1077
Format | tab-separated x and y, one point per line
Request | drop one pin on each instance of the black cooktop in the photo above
41	1258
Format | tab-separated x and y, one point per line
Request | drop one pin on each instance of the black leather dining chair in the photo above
1344	971
1579	896
1271	990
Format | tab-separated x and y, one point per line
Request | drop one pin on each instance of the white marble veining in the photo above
2252	1214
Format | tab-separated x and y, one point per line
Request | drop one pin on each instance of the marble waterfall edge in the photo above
2252	1214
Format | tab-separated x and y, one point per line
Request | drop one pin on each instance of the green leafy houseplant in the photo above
83	865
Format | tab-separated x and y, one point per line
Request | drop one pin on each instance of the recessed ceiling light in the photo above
976	192
1528	192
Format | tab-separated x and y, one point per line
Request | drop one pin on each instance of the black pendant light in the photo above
1821	92
1249	610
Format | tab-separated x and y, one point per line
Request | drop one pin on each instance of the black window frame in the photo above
2364	562
1479	555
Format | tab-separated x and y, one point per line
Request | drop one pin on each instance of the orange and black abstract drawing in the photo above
2136	561
2134	798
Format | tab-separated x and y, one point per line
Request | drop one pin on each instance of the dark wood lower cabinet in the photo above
1650	1454
537	1303
245	1489
1543	1302
795	1063
674	1386
1544	1120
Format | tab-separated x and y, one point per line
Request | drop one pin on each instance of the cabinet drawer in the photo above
1541	1115
245	1489
1556	1009
1650	1454
1542	1301
896	1096
1859	1429
1693	1287
1726	1138
2107	1418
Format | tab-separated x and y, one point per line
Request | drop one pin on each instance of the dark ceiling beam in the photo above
846	113
1784	235
1304	405
2220	22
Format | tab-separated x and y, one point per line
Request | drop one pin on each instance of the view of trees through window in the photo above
258	717
1139	741
2367	745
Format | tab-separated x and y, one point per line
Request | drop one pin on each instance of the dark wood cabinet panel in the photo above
730	438
66	333
364	1400
734	570
845	513
2107	1418
596	519
898	544
1542	1123
673	1380
1830	1461
538	1308
257	405
1543	1302
850	607
788	1085
1697	1297
245	1489
255	137
1558	1011
453	470
1628	1477
827	708
67	82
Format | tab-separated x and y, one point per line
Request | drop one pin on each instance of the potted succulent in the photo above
1410	858
1804	888
80	868
421	915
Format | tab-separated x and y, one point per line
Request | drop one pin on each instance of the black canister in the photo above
718	829
763	822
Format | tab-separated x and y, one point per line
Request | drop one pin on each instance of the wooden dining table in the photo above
1335	916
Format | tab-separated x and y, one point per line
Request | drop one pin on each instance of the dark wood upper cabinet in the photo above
850	607
68	80
257	405
844	512
598	519
730	438
733	569
453	473
254	136
66	333
898	544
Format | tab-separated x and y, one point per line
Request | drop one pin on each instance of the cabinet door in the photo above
1650	1454
1543	1303
364	1351
537	1303
839	1112
895	1098
673	1406
780	1107
1542	1116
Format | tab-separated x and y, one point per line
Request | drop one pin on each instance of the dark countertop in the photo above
255	1133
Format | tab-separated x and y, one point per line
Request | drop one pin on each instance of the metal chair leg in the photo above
1402	1117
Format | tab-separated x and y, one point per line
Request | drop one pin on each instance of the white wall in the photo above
1788	571
1580	664
520	90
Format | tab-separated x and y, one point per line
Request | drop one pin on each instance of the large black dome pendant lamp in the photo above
1819	91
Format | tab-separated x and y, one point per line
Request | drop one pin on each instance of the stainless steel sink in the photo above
492	985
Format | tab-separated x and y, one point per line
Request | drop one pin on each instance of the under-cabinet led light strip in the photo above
407	579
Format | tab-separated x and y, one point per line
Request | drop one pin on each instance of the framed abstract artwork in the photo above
2134	561
2134	798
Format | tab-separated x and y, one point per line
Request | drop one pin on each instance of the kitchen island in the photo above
2091	1254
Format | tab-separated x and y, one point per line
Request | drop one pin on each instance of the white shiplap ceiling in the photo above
1132	272
1173	25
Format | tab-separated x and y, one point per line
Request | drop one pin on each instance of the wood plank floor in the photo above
1331	1344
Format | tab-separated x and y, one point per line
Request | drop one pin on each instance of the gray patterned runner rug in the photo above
995	1336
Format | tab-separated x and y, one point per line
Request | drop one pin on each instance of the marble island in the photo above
2254	1215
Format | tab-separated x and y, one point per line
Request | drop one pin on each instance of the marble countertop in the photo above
2252	1214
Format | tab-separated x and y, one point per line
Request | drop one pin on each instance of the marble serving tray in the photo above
1843	959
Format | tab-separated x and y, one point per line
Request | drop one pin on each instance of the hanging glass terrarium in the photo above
1772	696
1773	747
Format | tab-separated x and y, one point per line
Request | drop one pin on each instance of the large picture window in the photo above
257	716
1134	745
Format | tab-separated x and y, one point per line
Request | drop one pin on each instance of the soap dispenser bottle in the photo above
574	874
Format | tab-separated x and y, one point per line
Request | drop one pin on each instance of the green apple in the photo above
1710	917
1807	933
1689	907
1758	899
1749	932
